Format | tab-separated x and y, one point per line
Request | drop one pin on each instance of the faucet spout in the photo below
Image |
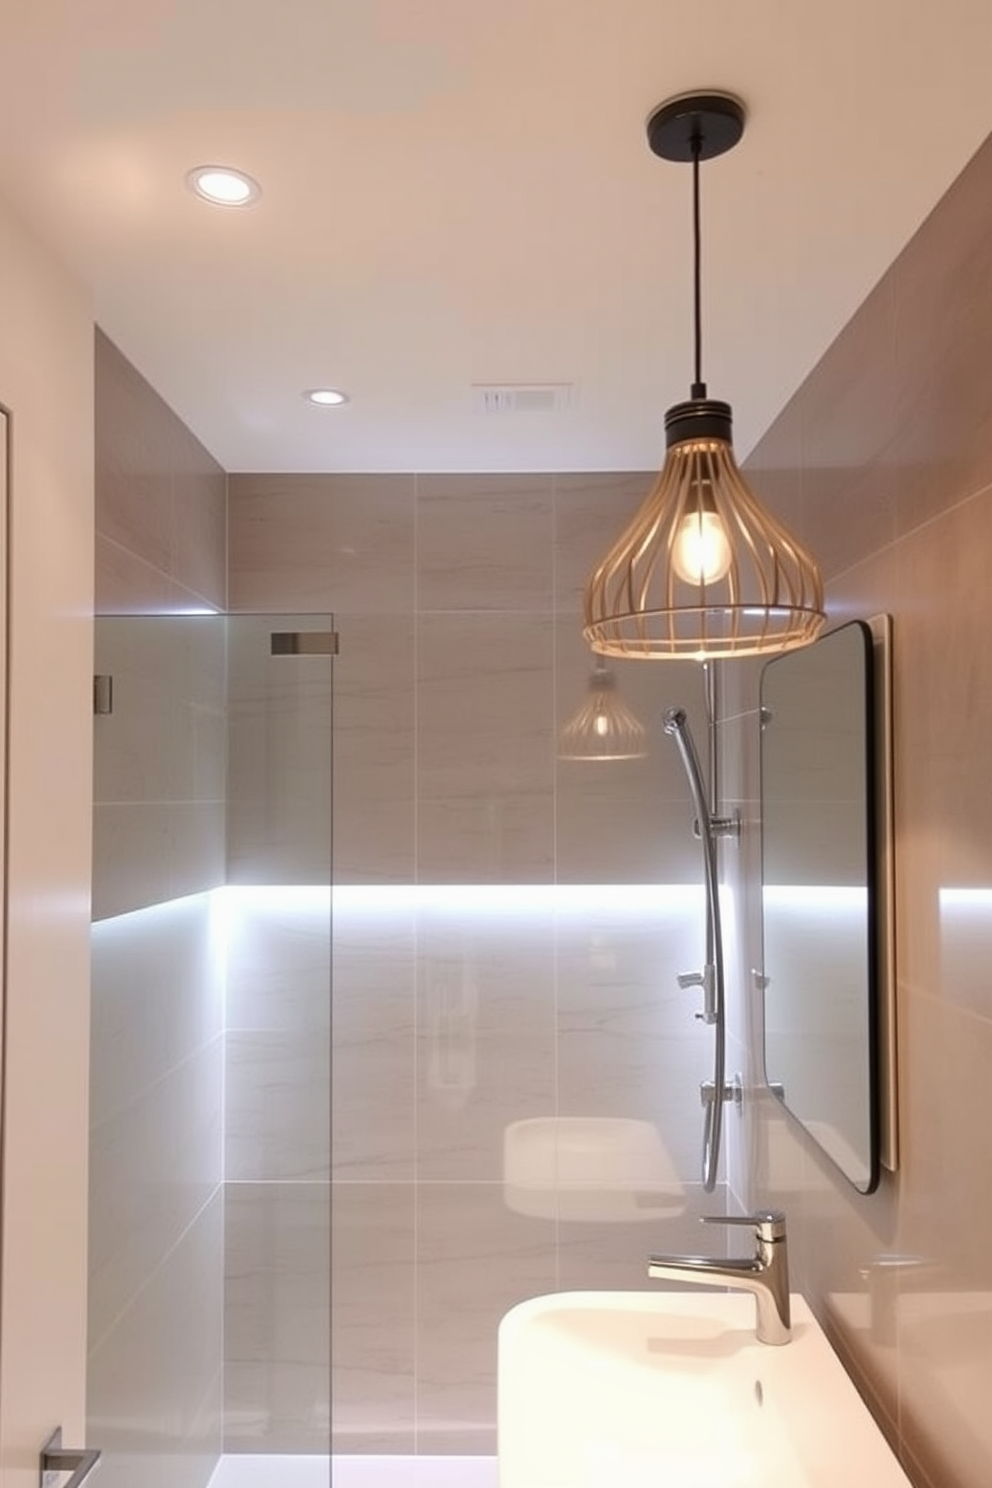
765	1274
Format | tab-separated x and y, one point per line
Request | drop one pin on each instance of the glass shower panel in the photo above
210	1047
277	1102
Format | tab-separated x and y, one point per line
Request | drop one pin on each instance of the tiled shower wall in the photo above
882	462
497	957
156	1211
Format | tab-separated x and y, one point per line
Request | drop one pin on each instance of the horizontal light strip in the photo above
491	901
966	899
810	898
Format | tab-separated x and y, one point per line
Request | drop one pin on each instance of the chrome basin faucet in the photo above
766	1273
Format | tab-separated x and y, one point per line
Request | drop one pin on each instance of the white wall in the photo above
46	381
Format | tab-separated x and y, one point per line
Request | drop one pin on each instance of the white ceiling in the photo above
459	191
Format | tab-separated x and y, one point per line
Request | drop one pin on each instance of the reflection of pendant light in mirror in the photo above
604	727
702	570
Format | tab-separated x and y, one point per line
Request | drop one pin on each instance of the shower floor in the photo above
413	1472
270	1471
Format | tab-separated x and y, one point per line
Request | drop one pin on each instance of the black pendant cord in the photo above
698	386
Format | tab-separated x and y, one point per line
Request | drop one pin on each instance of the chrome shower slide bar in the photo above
711	978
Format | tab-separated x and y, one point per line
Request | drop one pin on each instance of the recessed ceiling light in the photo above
325	397
223	186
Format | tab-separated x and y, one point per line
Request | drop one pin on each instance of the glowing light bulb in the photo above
701	554
602	725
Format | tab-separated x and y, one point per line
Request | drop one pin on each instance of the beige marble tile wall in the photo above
472	996
161	521
883	462
161	549
156	1281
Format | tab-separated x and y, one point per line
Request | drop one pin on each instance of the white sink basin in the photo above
671	1390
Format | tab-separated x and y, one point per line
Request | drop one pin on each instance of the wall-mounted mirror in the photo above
826	894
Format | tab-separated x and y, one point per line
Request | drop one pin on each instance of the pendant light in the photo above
702	570
603	728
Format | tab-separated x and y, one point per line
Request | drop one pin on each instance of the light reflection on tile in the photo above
485	1040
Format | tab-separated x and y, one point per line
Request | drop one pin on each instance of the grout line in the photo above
93	1347
141	1096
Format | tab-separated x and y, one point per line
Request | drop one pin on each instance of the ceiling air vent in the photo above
522	397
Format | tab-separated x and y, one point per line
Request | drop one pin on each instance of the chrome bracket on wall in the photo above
103	694
304	643
733	1090
720	826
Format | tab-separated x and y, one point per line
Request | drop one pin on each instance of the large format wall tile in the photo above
485	1037
942	449
199	518
154	1397
343	543
373	1120
277	1106
375	749
277	1317
373	1318
153	1166
130	585
161	500
280	721
133	459
475	1260
484	764
484	542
